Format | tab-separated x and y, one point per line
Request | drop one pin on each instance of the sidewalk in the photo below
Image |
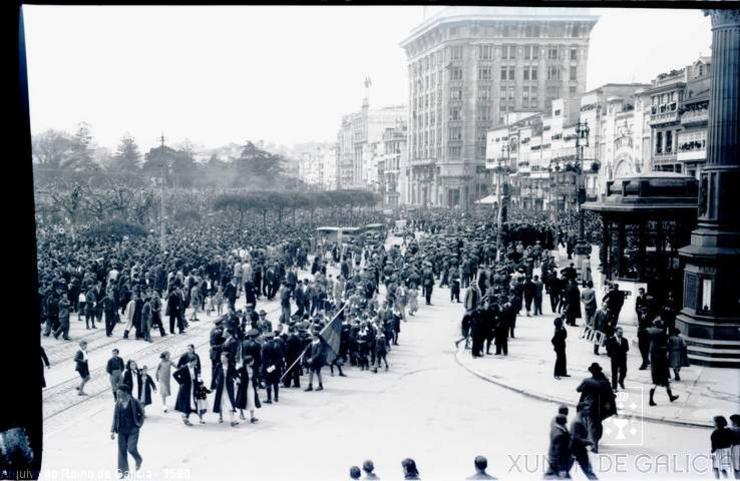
528	369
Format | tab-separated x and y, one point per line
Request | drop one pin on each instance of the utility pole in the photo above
582	248
162	227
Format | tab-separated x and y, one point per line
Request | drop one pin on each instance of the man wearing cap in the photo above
272	366
315	360
263	324
128	417
216	341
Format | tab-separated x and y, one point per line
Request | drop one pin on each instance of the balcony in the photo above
695	117
664	158
667	117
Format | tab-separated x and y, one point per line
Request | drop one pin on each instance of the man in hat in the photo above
216	341
293	348
616	348
253	348
272	366
316	358
597	403
263	324
128	417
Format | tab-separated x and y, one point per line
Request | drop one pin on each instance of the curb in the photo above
556	400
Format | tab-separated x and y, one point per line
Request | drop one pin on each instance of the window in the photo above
455	113
484	113
454	151
553	72
557	113
573	72
532	30
511	73
668	142
552	53
456	53
574	54
484	73
455	73
508	52
659	143
504	72
485	52
575	31
525	73
572	92
431	118
533	73
455	133
454	31
456	94
484	94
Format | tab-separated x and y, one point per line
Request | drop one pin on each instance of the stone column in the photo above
710	317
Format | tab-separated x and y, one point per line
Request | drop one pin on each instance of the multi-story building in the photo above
391	168
360	144
619	137
470	66
679	107
694	112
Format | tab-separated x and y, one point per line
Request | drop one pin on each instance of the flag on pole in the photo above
331	334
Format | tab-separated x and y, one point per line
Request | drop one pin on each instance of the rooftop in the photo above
458	14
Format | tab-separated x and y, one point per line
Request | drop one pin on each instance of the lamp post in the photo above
162	226
583	248
502	169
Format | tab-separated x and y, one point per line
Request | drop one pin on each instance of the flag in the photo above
331	334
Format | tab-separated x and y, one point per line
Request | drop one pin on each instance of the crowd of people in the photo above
332	313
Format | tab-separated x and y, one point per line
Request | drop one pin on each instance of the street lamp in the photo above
502	170
582	131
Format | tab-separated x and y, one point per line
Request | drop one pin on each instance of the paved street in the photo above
427	407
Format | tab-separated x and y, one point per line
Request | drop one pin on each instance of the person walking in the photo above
82	368
558	454
163	373
114	368
588	298
617	348
63	329
273	364
186	402
128	418
597	403
579	442
410	471
722	439
558	343
224	397
147	386
659	361
678	355
537	288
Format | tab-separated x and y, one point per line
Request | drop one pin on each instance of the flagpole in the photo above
306	349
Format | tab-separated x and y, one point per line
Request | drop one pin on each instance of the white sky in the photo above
283	74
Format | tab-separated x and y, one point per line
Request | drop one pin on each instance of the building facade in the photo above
392	166
679	107
469	67
360	145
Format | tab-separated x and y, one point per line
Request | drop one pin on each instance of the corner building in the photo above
470	66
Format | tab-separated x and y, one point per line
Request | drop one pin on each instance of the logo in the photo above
626	428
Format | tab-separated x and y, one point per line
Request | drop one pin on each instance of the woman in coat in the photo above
246	394
147	386
186	401
224	397
164	371
132	377
558	343
678	355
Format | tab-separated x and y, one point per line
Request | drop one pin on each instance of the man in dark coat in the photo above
477	331
216	340
501	331
272	366
293	349
231	292
579	441
659	369
174	306
616	348
615	300
558	455
128	418
316	360
597	403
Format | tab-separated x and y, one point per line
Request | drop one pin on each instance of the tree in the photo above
51	148
127	157
80	158
256	163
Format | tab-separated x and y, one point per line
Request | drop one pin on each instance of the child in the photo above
201	397
82	368
80	305
218	299
147	386
735	419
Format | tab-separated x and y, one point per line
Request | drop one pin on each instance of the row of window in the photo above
511	52
523	29
509	73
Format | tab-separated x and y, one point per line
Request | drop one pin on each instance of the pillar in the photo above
710	316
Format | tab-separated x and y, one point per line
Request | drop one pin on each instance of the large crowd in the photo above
332	313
